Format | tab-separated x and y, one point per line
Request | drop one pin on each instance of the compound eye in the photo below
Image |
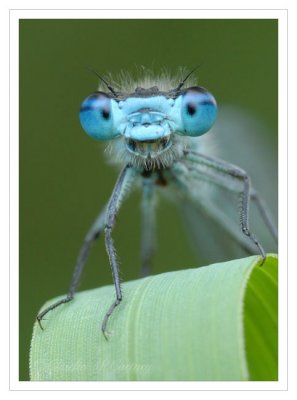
96	116
199	111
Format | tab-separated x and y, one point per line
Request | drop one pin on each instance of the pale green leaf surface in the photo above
184	325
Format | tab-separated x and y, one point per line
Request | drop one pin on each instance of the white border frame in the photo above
15	15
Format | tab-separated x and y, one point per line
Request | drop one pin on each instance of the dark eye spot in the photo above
191	109
105	114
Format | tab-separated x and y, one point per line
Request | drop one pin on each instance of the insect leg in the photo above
209	209
254	196
92	234
264	213
238	173
121	188
148	226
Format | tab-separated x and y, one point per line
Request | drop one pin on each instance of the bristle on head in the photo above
127	82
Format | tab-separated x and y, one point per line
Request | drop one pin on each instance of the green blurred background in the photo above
64	178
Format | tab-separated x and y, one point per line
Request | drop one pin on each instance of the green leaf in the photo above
261	321
212	323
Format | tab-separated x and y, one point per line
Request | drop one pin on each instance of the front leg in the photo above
239	174
121	188
91	236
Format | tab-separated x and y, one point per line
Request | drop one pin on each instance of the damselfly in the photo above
154	130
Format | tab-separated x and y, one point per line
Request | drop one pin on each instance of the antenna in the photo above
104	81
183	82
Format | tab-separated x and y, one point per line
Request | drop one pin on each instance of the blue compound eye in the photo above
96	116
199	111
